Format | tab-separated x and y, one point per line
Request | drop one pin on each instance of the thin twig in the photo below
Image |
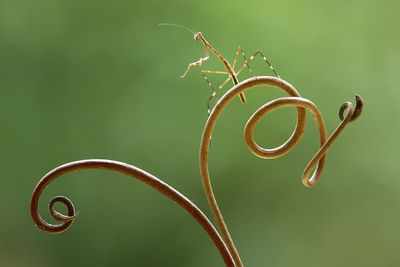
124	169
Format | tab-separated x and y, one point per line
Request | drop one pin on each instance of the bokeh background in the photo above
101	79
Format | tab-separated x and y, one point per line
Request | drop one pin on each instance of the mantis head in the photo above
197	36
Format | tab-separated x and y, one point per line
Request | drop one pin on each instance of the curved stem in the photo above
293	100
282	102
124	169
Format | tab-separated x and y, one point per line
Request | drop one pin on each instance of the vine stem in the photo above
225	244
294	99
129	170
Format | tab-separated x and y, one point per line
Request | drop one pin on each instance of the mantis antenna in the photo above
176	25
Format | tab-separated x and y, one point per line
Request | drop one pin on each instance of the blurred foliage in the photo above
100	79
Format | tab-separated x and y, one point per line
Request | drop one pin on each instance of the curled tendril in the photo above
357	111
294	99
67	220
227	249
59	216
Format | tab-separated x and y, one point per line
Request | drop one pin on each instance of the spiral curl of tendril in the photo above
154	182
294	99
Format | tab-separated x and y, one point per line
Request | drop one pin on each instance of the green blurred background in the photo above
100	79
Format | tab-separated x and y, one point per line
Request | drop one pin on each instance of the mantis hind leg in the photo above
251	58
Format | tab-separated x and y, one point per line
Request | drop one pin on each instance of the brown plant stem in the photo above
124	169
293	100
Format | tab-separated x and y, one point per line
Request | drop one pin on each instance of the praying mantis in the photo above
232	75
